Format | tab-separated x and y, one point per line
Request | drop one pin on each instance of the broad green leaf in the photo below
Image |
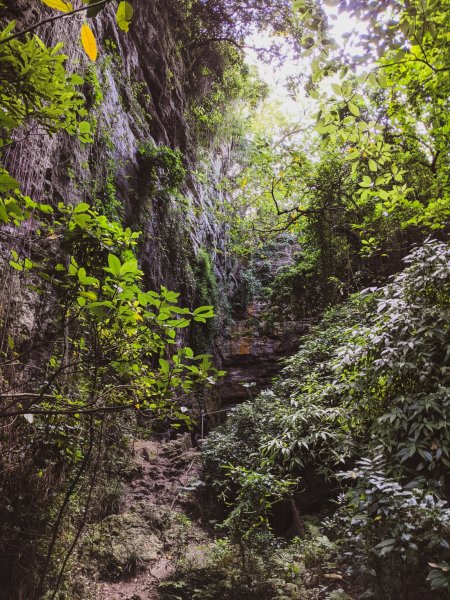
366	182
84	127
353	109
336	89
82	207
124	15
114	264
298	5
130	266
7	183
164	365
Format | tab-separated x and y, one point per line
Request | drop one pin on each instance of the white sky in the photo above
298	109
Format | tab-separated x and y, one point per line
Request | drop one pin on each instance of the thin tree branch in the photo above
216	39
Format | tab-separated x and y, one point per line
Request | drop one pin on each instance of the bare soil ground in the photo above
140	547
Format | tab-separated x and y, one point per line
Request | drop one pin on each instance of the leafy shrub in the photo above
393	533
298	424
397	372
163	168
371	380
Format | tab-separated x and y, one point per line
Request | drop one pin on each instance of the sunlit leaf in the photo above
89	42
124	15
353	109
59	5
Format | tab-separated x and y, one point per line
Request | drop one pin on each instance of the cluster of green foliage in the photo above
206	293
371	380
36	89
231	22
373	178
220	113
164	169
276	570
38	96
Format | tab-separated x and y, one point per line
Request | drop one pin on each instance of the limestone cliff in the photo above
138	96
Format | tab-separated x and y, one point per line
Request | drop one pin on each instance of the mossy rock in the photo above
124	544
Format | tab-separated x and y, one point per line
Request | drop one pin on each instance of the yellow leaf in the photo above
89	43
138	317
59	5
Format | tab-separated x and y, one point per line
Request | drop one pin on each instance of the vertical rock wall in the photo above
143	81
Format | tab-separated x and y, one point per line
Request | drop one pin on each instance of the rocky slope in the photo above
127	555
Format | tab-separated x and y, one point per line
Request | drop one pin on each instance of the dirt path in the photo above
132	552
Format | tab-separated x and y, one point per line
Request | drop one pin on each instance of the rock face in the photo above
258	339
124	544
254	351
137	95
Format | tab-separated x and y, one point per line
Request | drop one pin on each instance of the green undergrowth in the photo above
280	570
356	425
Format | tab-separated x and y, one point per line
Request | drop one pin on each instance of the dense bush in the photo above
393	533
163	167
371	380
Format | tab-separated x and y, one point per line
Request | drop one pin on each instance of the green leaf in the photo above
353	109
182	323
76	79
298	5
164	365
114	264
204	311
124	15
7	183
336	89
16	265
84	127
130	266
372	165
366	182
82	207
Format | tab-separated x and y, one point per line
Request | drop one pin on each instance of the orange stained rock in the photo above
245	345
